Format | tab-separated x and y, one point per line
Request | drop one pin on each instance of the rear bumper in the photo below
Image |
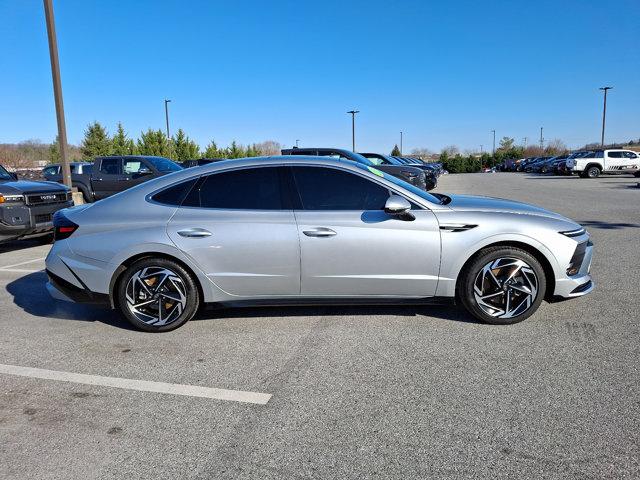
61	289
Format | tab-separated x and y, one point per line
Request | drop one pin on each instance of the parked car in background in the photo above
546	166
521	164
562	169
80	175
199	162
113	174
27	207
596	162
535	165
414	176
431	178
310	230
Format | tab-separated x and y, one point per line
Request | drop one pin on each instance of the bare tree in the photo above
268	147
451	150
555	147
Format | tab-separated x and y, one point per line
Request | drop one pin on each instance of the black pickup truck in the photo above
110	175
27	207
409	174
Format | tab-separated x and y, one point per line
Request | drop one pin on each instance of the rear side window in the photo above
110	166
175	194
245	189
87	168
614	154
330	189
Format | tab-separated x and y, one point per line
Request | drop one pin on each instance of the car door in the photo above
350	247
632	161
614	160
108	179
238	227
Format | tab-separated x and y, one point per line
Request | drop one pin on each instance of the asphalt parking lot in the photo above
375	392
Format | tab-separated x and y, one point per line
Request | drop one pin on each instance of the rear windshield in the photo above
163	164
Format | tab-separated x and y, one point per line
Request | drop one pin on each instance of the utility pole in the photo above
57	92
353	128
493	152
525	142
481	149
604	112
400	143
297	140
541	140
166	115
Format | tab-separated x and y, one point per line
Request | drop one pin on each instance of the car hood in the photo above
28	186
470	203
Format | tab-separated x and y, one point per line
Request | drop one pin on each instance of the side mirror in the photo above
399	207
144	171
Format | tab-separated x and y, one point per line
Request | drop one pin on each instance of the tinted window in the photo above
246	189
614	154
110	166
87	168
174	194
330	189
163	164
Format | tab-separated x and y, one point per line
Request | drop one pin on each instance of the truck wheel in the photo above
593	172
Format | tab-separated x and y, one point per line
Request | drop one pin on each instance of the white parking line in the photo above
19	270
6	267
140	385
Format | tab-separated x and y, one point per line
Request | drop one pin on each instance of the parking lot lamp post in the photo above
166	115
493	152
541	141
353	128
400	143
57	92
604	112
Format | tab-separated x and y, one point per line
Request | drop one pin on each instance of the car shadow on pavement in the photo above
607	225
14	245
30	294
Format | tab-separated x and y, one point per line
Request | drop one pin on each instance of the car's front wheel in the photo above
502	285
157	295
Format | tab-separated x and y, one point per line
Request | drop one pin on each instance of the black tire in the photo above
593	172
469	275
186	280
637	174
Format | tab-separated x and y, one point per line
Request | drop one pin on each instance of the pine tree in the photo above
154	142
212	151
54	151
183	147
396	151
96	141
235	150
121	144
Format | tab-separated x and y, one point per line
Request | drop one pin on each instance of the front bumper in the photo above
17	221
581	283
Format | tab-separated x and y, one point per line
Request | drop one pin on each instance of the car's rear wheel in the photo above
502	285
157	295
593	172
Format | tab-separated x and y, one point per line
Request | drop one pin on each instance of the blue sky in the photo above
443	72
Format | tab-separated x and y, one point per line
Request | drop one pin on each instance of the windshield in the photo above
402	184
163	164
4	174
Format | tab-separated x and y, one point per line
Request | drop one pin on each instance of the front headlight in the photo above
574	233
11	198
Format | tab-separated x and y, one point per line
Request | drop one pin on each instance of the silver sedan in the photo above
301	230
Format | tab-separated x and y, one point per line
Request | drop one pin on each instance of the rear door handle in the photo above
319	232
194	233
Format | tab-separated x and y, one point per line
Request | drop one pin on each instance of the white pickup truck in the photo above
593	163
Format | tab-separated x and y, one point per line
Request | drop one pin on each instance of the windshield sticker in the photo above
375	171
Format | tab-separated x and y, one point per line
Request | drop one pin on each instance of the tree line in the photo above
179	147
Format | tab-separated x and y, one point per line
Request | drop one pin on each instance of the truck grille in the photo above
43	218
46	198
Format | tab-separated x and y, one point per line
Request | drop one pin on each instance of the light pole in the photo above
57	92
353	128
604	112
493	152
166	115
541	140
297	140
400	143
481	149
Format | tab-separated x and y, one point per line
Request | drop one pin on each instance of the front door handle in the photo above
194	233
319	232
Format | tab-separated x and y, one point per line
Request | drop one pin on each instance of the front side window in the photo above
133	166
245	189
630	155
110	166
323	188
50	171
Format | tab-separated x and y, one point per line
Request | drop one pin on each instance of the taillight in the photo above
62	226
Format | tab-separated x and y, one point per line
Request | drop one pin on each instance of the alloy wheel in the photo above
505	287
156	296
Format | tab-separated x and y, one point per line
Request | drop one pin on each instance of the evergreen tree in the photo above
121	144
96	141
212	151
235	150
183	147
54	151
396	151
154	142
